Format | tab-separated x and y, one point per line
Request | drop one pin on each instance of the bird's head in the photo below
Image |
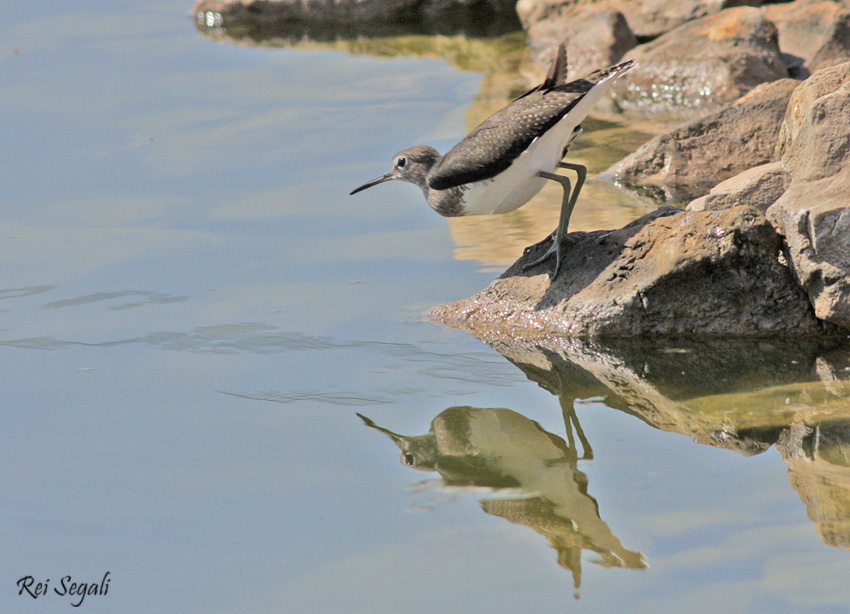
411	165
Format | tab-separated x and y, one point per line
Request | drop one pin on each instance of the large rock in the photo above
813	34
814	213
688	161
805	155
646	18
595	39
703	64
670	272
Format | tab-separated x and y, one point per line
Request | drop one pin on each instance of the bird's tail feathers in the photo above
612	72
558	70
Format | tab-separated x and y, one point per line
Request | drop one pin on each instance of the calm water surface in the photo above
194	312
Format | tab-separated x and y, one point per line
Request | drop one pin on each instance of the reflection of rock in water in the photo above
297	23
501	449
743	395
818	461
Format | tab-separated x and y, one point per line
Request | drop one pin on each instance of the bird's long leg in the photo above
581	172
567	205
571	418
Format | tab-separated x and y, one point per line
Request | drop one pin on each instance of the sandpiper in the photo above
507	159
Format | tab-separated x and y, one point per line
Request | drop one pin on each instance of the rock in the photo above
670	272
688	161
703	64
595	39
646	18
813	34
814	213
805	155
815	217
757	187
656	17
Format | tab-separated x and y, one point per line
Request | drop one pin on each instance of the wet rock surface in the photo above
671	272
688	161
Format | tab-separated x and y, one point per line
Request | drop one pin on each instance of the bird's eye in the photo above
401	162
408	458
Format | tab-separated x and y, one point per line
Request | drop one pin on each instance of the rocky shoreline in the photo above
763	246
760	164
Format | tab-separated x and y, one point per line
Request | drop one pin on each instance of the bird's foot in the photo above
547	240
557	248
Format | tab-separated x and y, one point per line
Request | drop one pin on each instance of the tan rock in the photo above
814	34
646	18
812	140
814	213
757	187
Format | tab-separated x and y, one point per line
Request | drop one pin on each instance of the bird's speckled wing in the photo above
499	140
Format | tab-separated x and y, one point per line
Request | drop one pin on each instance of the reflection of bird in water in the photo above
501	449
505	161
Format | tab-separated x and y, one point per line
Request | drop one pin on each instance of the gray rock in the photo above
670	272
814	213
757	187
813	34
688	161
595	39
703	64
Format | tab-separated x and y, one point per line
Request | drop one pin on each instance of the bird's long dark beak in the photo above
381	179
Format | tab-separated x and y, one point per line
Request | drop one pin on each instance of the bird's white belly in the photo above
516	185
